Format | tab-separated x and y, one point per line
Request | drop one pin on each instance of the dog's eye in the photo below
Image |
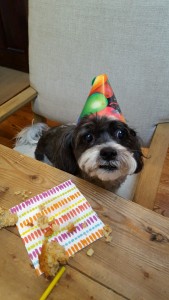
88	137
120	134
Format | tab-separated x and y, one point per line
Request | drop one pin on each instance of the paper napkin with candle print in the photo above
63	205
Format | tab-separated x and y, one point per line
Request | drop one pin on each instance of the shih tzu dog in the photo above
99	149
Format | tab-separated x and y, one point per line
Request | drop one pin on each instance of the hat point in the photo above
102	100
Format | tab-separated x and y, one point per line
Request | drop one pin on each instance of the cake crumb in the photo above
17	193
107	230
52	256
55	227
48	232
84	224
108	239
43	222
41	207
30	224
7	218
90	252
71	227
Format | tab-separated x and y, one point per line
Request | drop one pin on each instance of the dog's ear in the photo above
138	155
132	132
64	158
56	145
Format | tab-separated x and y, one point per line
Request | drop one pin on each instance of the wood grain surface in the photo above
162	197
20	282
150	176
133	266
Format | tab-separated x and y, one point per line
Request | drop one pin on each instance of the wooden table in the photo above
132	266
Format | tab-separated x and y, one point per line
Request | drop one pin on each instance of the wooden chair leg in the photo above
149	179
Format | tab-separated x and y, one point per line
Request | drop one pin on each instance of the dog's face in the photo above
106	149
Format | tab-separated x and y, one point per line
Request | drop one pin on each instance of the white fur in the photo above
27	139
90	161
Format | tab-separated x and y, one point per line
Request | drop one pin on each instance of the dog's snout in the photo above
108	153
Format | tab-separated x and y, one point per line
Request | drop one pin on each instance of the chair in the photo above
70	42
15	91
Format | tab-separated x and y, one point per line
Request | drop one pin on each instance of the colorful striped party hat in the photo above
102	100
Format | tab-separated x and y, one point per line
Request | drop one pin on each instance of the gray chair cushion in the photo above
70	42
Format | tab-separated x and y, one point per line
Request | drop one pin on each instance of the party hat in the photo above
102	100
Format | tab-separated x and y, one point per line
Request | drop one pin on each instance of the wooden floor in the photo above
23	117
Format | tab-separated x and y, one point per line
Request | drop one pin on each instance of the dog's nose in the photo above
108	153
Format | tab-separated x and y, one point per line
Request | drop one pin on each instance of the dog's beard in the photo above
91	163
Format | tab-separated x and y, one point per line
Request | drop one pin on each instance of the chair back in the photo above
71	42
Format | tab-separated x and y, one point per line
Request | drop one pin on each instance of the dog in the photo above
102	150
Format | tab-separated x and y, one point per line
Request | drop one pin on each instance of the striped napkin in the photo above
63	205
